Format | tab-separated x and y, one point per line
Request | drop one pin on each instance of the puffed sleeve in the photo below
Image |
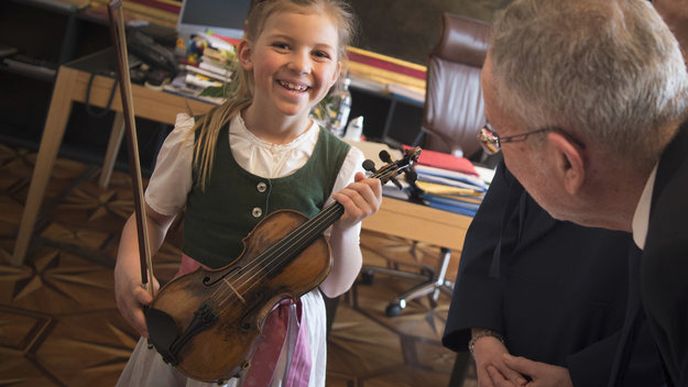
171	181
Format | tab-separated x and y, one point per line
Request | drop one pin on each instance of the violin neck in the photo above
314	227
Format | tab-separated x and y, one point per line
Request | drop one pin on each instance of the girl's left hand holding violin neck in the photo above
360	199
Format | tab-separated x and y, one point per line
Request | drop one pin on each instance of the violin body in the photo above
206	323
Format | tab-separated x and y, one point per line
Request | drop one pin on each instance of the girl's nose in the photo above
300	63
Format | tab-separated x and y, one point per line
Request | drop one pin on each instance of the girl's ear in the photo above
244	54
336	74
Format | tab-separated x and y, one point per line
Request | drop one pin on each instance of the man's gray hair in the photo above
609	71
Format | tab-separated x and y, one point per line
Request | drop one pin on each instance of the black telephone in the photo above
150	52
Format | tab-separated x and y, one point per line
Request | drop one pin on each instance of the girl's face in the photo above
293	62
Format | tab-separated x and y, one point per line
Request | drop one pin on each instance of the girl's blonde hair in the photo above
240	90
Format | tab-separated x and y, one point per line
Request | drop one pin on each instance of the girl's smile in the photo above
294	87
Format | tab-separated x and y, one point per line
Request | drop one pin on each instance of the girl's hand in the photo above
360	200
131	296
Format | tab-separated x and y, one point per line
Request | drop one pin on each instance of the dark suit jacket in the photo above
556	291
664	272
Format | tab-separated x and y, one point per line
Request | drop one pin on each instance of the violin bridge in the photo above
234	290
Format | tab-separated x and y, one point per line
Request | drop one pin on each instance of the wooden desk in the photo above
396	217
419	223
71	86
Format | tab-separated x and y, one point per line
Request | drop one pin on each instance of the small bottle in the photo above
339	107
355	129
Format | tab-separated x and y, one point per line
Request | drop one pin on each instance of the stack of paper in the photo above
449	190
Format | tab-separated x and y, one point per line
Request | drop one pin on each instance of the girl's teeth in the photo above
293	86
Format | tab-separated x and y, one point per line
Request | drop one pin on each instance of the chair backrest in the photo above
454	109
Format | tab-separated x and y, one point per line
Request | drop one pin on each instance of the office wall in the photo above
408	29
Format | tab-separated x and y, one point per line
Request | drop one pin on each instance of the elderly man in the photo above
587	100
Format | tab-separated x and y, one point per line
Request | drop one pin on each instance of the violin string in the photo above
303	231
265	262
322	217
265	271
297	242
273	250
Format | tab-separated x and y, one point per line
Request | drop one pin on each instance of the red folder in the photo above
445	161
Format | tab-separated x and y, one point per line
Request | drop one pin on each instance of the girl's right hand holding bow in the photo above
130	294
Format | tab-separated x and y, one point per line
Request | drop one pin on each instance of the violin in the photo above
206	323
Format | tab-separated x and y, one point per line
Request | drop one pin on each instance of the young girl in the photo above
258	153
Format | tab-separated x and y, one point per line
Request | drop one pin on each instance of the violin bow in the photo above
117	30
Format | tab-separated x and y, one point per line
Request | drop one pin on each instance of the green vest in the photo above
234	200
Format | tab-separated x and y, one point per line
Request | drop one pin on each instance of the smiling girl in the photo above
258	153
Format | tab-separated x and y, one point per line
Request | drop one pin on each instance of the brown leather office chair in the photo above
454	109
453	114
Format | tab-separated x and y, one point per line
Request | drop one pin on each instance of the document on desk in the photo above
451	205
450	190
448	177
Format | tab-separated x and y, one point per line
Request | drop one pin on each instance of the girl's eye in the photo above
280	45
322	54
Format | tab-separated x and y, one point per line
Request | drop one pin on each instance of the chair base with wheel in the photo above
433	283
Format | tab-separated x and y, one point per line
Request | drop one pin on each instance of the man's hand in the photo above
541	374
489	352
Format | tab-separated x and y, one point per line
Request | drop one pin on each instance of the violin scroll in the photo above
393	168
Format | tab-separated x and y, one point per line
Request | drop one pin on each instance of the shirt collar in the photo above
641	217
237	127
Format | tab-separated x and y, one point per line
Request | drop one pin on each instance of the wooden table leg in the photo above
116	136
58	114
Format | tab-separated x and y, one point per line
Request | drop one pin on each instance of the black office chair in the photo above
453	114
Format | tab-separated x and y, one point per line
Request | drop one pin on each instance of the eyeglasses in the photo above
492	142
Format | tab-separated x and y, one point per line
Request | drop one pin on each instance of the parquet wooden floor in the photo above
59	325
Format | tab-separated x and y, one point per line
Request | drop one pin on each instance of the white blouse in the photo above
171	181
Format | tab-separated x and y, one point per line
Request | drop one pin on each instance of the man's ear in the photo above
569	161
244	54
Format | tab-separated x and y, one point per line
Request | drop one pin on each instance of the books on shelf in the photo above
180	86
215	67
208	74
201	81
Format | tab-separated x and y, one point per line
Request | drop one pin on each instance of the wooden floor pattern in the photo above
59	325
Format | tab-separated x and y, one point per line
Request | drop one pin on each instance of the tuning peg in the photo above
369	165
396	182
384	156
411	175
